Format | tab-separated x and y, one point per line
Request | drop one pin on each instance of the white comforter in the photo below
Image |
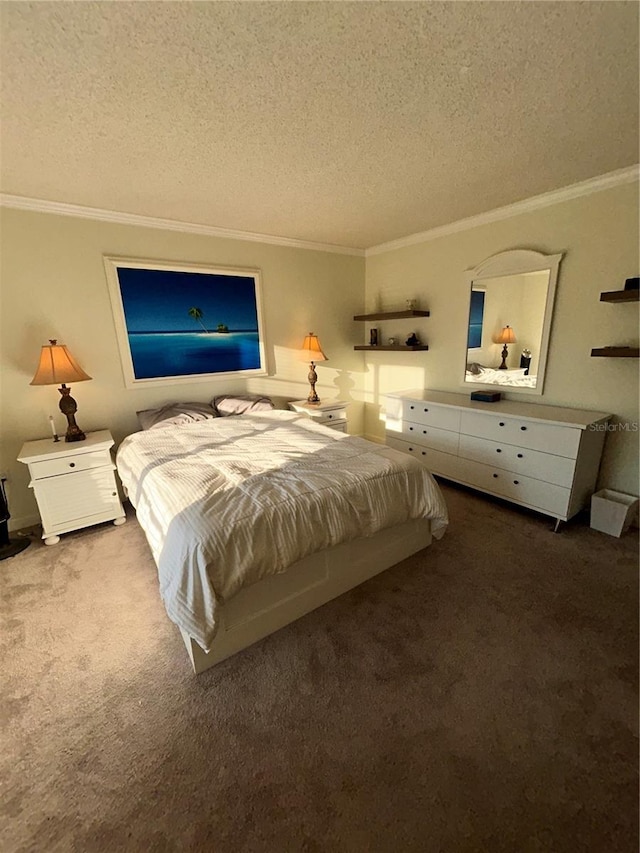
514	378
227	501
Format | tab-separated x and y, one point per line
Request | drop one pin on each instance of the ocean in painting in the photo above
159	354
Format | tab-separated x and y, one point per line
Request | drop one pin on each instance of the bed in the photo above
513	378
256	519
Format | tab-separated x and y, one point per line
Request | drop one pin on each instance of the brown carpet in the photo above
480	696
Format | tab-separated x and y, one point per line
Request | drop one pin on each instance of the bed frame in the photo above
276	601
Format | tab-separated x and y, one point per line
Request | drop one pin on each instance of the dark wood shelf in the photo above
616	352
620	296
396	348
392	315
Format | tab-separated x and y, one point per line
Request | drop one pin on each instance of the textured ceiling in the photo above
350	123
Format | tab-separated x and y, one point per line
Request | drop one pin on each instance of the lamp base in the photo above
313	378
69	407
505	353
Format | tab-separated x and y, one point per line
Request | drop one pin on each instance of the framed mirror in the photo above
511	298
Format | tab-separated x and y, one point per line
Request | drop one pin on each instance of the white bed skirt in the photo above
267	606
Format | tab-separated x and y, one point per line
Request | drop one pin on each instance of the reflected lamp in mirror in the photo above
519	285
57	365
313	351
506	336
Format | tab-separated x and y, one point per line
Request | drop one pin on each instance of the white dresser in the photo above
332	414
74	483
542	457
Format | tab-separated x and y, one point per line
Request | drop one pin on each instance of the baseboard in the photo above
23	521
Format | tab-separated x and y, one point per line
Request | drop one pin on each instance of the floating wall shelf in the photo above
616	352
620	296
397	348
392	315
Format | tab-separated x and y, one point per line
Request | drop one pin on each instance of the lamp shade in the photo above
312	349
57	365
506	336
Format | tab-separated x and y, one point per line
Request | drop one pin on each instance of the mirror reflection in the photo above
506	329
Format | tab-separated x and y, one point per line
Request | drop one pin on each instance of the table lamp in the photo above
312	349
58	365
506	336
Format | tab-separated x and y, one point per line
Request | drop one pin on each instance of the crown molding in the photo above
64	209
593	185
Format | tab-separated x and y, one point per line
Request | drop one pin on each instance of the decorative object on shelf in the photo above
632	284
412	340
373	337
411	304
58	365
506	336
486	396
312	349
392	342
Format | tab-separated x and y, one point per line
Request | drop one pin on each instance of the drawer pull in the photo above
412	407
425	410
523	429
424	452
498	450
411	448
410	429
501	423
424	432
496	476
516	482
520	455
330	416
113	494
72	464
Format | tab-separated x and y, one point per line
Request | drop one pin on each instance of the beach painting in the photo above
185	322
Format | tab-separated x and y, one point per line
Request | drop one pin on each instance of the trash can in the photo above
612	512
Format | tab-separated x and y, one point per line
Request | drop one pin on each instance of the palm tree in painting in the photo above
197	315
222	327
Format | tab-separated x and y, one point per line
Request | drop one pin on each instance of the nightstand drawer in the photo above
328	417
70	464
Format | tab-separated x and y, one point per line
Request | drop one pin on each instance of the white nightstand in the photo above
332	414
74	483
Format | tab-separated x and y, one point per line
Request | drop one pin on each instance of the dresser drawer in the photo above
428	436
435	460
440	417
70	464
520	460
546	497
559	440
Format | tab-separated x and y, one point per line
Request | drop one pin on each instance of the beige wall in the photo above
53	285
599	235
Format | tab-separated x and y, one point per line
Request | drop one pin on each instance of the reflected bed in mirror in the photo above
510	309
